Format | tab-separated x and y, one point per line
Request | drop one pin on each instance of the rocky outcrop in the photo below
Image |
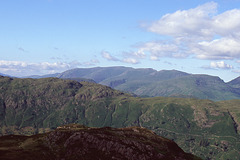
80	142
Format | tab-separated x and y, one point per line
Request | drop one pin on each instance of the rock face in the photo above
80	142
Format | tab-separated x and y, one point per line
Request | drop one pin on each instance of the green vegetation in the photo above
202	127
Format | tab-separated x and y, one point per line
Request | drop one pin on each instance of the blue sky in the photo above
49	36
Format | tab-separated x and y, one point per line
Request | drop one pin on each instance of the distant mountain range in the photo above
202	127
151	83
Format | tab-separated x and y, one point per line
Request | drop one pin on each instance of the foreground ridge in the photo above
75	141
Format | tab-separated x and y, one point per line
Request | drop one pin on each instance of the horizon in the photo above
125	67
50	36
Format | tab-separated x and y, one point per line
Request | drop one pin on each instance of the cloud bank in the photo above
200	33
19	68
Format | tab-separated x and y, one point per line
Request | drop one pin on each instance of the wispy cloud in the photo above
22	49
92	62
108	56
236	71
130	60
169	63
127	57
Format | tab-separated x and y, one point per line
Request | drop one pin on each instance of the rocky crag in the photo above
77	142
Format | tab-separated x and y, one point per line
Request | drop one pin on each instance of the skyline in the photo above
50	36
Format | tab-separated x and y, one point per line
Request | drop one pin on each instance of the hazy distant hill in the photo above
79	79
235	83
202	127
43	76
1	74
151	83
76	142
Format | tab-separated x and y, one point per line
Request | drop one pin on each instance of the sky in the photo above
40	37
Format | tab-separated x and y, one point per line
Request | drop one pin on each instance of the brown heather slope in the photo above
74	141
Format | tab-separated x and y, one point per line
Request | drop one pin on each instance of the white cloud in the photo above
158	50
139	54
227	23
199	32
133	57
224	48
19	68
131	60
183	23
220	65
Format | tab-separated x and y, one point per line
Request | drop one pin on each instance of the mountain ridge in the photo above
152	83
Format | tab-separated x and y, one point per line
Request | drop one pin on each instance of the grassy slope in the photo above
200	86
202	127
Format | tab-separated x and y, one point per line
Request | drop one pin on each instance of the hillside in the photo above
201	127
75	142
200	86
151	83
235	83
